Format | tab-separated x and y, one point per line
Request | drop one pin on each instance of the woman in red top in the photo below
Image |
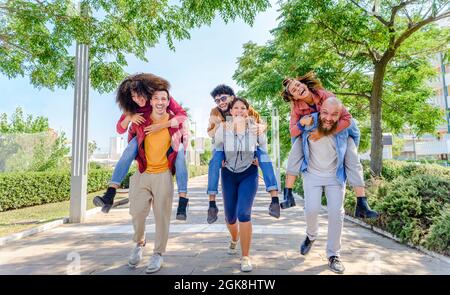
133	97
306	95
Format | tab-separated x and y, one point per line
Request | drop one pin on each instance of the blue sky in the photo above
194	69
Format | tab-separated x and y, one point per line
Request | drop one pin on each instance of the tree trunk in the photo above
376	150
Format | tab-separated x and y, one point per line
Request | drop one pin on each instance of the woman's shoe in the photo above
246	264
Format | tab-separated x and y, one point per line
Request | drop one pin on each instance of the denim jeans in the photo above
129	154
181	174
215	164
124	163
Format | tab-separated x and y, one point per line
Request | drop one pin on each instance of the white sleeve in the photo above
218	137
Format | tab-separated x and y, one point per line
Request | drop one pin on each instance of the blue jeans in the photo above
181	172
124	163
264	163
239	191
129	154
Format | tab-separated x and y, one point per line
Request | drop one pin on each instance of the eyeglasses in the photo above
223	98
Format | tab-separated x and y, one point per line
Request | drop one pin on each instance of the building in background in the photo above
116	147
433	146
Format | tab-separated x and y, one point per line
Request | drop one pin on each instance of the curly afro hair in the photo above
144	84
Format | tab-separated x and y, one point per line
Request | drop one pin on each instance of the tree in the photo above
18	124
29	144
9	145
92	147
37	36
377	63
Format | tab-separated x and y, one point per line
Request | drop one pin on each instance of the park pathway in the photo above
102	244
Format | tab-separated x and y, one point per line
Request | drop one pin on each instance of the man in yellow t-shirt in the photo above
153	188
156	145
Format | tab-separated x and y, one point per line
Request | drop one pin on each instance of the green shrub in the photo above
438	238
409	205
197	170
193	171
20	189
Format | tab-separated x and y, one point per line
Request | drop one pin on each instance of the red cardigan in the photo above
138	131
174	107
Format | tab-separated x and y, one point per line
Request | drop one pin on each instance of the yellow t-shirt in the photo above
156	146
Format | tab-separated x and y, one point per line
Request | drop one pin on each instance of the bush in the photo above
197	170
409	205
193	171
438	238
393	169
20	189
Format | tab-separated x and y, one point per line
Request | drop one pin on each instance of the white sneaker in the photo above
135	256
246	264
232	248
155	263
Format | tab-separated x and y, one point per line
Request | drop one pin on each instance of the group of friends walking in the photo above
324	138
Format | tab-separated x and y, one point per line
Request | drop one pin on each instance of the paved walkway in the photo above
102	244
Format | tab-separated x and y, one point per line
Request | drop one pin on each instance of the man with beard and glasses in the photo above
323	169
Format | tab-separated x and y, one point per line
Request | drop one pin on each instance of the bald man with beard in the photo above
323	169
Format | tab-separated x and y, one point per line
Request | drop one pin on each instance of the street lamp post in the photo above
79	168
276	144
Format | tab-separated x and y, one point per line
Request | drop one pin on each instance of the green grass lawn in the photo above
14	221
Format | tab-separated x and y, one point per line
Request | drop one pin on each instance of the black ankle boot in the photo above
106	201
288	199
274	207
181	210
363	210
306	246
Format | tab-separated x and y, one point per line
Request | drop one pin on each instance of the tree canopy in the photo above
37	37
376	60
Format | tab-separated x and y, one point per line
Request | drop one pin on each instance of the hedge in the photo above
413	202
20	189
193	171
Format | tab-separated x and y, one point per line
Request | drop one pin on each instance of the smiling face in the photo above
299	91
159	102
329	117
239	109
223	101
138	99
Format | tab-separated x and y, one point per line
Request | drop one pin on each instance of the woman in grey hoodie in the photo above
240	176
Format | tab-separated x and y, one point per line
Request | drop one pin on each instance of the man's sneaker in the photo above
182	208
335	264
306	246
232	248
155	263
274	209
212	214
136	255
246	264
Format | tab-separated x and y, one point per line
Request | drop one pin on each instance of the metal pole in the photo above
79	169
276	144
445	92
